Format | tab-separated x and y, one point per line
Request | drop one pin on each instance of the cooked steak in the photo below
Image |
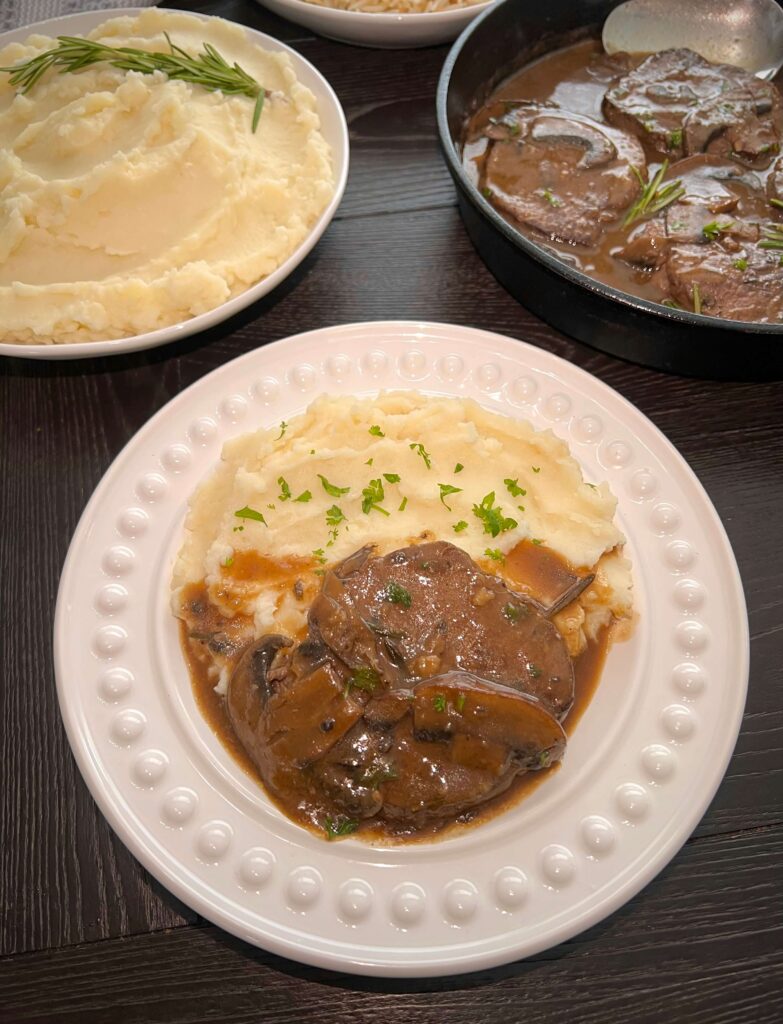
680	104
563	174
744	284
425	610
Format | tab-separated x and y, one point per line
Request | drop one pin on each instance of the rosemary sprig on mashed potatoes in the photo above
401	499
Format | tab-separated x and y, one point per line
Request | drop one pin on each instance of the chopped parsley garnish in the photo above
458	468
439	702
513	488
534	670
228	561
392	478
495	554
487	192
537	541
521	508
460	526
536	469
492	516
334	515
512	612
372	495
460	702
714	229
238	529
445	491
332	489
318	555
376	431
304	497
250	513
335	830
283	428
369	462
285	490
674	139
551	198
363	678
397	594
416	446
740	264
270	505
403	503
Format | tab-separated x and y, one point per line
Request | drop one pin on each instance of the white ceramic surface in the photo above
335	131
640	769
384	31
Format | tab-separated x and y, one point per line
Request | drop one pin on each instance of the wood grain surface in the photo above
85	934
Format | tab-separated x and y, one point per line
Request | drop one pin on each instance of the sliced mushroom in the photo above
460	703
562	131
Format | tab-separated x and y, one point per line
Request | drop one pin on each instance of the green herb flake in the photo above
536	469
332	489
458	468
334	515
537	541
238	529
487	192
460	702
655	195
228	562
671	304
304	497
372	496
674	139
336	830
363	678
715	229
376	431
773	237
392	478
544	759
777	202
318	555
403	503
495	554
285	490
513	488
439	702
369	462
740	264
512	612
250	513
396	594
551	198
460	526
416	446
283	428
445	491
492	516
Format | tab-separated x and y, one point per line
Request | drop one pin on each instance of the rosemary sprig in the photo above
654	197
208	69
773	237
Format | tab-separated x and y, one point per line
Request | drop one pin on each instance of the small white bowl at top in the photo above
381	30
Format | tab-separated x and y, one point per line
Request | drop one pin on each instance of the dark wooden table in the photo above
86	935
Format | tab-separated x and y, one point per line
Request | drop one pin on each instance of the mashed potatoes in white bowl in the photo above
386	24
136	209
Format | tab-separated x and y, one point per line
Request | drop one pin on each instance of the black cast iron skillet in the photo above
507	36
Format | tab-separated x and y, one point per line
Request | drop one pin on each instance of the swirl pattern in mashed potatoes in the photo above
129	202
392	471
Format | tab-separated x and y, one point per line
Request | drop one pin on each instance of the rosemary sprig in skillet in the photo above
773	237
655	197
208	69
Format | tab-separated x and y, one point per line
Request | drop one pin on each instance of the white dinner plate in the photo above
379	29
641	766
333	127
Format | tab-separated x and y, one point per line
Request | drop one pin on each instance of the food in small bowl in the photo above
393	24
394	609
156	169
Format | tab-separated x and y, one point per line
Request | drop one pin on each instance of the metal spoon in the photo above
746	33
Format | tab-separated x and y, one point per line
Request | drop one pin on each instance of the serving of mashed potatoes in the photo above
130	202
390	471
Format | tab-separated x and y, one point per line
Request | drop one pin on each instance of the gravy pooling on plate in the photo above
385	604
659	175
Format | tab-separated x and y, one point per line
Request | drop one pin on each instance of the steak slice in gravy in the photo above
679	104
743	284
428	609
563	174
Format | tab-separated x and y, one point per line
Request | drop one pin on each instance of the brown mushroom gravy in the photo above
659	175
426	693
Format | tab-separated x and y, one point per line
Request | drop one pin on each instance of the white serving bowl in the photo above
335	131
384	31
